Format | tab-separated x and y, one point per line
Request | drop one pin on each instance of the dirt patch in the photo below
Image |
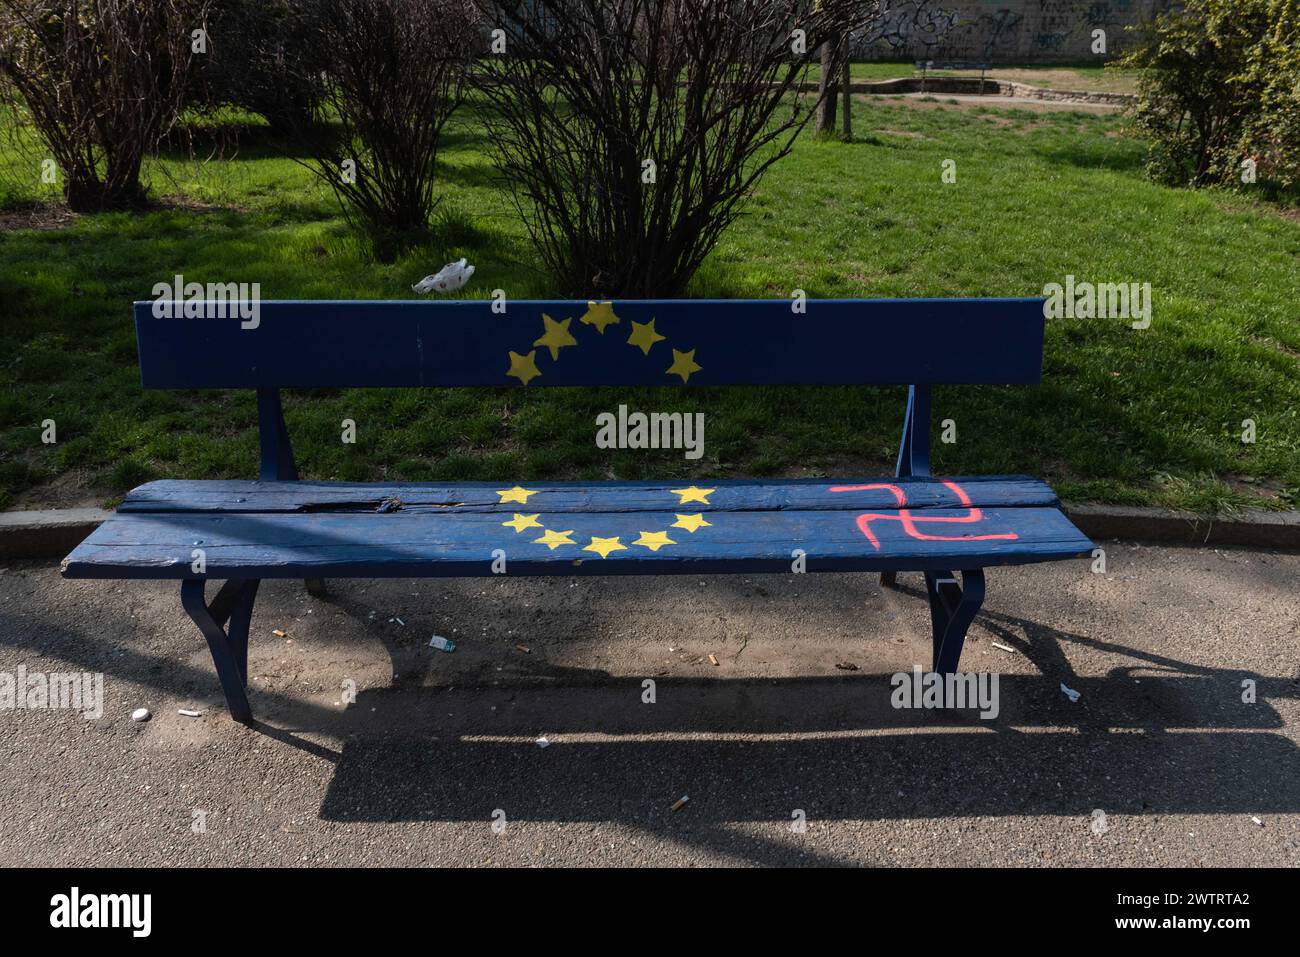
38	216
1070	80
927	101
1267	489
71	489
46	216
190	205
841	466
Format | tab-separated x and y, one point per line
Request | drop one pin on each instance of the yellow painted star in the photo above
683	364
600	315
515	494
603	546
690	522
654	540
693	494
523	368
520	522
556	337
644	335
553	539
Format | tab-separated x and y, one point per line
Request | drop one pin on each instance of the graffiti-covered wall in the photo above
1004	31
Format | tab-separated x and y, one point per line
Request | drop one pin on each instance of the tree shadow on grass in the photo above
1102	155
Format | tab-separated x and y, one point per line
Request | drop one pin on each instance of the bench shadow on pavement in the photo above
1156	735
757	749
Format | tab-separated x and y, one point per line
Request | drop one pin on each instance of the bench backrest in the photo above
913	342
557	343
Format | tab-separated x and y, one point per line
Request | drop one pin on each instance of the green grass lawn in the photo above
1122	416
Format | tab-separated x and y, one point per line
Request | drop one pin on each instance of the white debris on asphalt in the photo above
1070	693
140	714
442	644
188	713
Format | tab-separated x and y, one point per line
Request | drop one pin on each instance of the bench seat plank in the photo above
441	543
727	495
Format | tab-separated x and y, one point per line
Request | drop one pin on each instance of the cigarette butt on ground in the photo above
681	802
279	633
188	713
1004	647
713	660
524	648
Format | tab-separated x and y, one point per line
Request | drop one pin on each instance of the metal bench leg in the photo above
952	609
234	602
913	450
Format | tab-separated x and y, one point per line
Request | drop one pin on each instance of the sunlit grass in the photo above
1122	416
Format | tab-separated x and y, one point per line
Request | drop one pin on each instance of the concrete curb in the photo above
1251	528
46	533
53	533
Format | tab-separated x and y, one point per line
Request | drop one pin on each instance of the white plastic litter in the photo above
140	714
1070	693
543	743
442	644
447	279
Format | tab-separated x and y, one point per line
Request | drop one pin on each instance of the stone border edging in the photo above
46	533
1252	528
52	533
974	86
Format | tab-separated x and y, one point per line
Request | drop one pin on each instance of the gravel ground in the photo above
788	748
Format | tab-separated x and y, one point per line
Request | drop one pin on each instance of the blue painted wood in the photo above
724	494
952	610
277	462
281	528
226	657
424	544
704	342
914	447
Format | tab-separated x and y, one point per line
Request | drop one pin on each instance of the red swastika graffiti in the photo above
909	521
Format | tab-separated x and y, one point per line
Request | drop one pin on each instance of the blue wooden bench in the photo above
282	527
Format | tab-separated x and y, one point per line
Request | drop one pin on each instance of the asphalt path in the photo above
1180	750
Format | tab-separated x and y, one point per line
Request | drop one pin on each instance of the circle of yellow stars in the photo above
556	336
603	546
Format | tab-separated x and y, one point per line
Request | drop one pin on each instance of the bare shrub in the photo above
632	130
103	81
393	73
264	59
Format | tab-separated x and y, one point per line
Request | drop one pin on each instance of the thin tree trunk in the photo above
826	92
845	84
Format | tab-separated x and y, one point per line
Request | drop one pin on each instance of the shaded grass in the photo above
1122	416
